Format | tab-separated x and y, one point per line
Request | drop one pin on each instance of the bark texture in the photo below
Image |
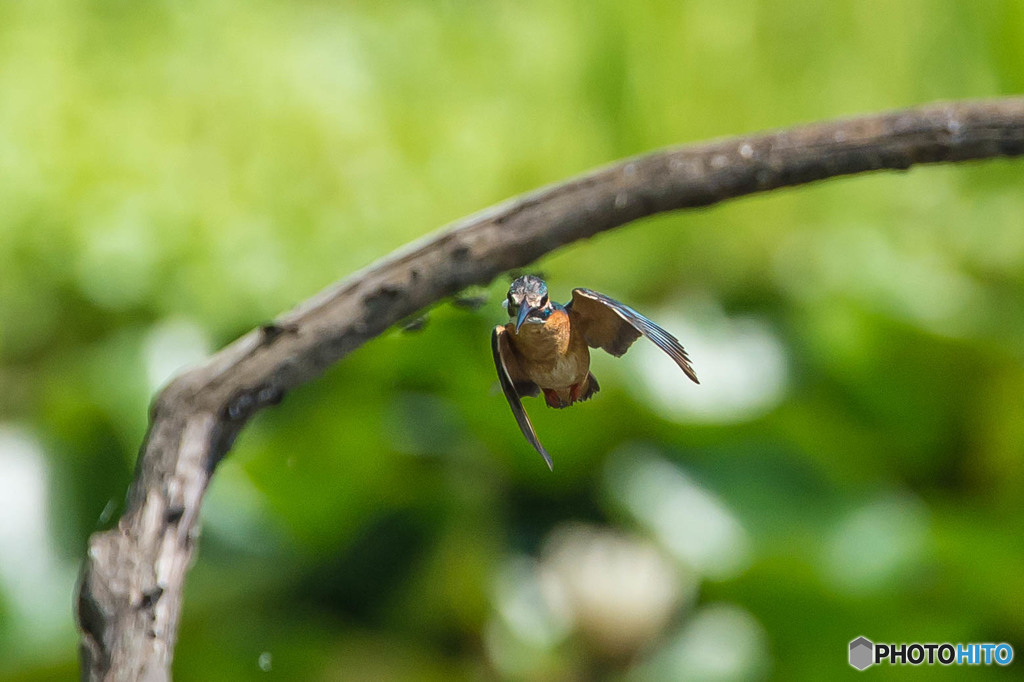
130	590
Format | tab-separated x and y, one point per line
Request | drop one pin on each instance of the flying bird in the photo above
545	348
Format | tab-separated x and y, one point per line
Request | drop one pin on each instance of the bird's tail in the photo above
590	387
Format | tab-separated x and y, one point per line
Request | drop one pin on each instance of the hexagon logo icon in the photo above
862	653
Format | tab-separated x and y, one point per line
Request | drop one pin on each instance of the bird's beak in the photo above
524	310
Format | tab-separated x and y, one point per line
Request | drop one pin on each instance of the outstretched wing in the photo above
613	327
513	383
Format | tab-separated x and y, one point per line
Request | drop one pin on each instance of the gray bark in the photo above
130	590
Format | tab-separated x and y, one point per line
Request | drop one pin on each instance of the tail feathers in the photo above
591	388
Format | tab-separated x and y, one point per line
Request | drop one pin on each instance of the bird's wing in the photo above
513	383
613	327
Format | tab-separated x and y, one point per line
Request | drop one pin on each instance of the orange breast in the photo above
554	355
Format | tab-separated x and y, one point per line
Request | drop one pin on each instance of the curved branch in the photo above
131	585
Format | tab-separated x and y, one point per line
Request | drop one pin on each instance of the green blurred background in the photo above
173	174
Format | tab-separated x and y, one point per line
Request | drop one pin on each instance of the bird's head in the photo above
528	301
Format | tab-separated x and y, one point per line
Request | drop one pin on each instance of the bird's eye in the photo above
510	304
544	301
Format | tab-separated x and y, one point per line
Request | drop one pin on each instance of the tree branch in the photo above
131	585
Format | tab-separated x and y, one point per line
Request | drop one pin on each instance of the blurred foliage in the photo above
174	174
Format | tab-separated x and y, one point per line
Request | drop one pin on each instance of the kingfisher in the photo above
545	347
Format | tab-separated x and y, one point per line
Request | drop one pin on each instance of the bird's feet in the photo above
554	399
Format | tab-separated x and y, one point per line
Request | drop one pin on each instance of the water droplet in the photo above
108	510
265	662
